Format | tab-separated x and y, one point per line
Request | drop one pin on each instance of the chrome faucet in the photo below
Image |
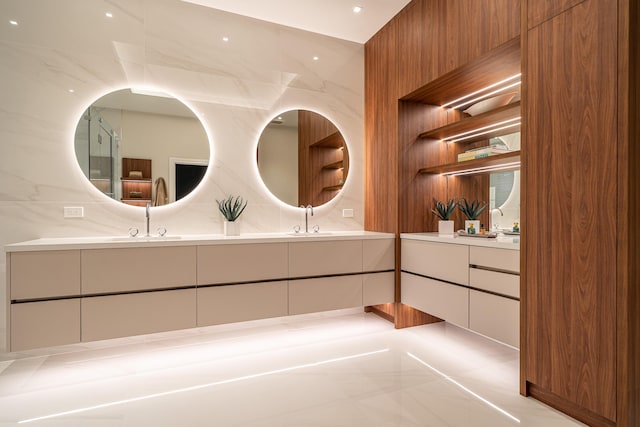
148	217
306	216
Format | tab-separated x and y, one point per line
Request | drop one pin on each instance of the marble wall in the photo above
64	54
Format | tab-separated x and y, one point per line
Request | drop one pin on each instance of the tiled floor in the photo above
343	368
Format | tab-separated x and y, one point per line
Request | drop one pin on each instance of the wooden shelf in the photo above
135	179
497	161
507	112
496	65
333	187
335	140
336	165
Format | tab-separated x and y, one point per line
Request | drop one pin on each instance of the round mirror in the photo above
141	147
302	158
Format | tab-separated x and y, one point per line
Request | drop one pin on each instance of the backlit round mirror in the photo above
302	158
140	147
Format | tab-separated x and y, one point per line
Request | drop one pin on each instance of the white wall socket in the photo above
73	211
347	213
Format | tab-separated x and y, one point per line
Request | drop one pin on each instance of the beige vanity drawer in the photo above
323	258
322	294
44	324
502	283
44	274
135	314
446	301
236	303
378	288
131	269
494	316
444	261
242	263
501	259
378	255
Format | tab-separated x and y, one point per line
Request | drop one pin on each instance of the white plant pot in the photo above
445	228
231	228
476	225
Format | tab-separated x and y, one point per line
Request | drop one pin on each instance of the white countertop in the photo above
502	242
104	242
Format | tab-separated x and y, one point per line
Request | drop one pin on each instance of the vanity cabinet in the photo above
308	259
325	293
44	323
45	274
465	282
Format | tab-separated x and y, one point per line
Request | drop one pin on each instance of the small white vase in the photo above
445	228
476	225
231	228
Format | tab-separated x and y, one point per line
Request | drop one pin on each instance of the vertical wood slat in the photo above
570	154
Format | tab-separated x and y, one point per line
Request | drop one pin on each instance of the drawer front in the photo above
236	303
495	317
322	294
44	274
242	263
44	324
131	269
378	288
378	255
322	258
135	314
493	281
446	301
502	259
444	261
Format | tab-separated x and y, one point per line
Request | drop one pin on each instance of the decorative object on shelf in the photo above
490	104
135	174
472	211
482	152
487	235
516	227
444	211
231	208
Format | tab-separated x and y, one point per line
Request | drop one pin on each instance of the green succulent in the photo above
472	210
443	211
230	208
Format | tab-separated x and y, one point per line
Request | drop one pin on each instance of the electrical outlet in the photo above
347	213
73	212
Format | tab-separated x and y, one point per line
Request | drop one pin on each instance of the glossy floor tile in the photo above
344	368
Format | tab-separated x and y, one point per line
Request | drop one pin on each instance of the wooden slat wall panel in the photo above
570	247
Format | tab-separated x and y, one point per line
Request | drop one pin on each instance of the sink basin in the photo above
312	234
144	239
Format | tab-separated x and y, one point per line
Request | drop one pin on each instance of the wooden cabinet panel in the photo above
442	261
502	283
136	314
236	303
501	259
569	208
378	288
242	263
378	255
495	317
131	269
44	274
322	294
440	299
323	258
539	11
44	324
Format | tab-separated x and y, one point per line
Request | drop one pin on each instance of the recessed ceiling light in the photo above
357	9
315	58
109	15
225	39
12	22
279	117
71	90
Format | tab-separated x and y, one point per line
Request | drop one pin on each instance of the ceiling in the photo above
334	18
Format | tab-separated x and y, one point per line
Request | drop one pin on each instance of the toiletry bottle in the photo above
516	227
471	229
482	229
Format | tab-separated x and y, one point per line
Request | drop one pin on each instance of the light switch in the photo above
347	213
73	212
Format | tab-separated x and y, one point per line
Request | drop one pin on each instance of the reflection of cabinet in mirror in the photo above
136	181
323	159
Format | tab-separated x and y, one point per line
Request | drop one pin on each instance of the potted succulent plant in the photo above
472	211
443	211
231	208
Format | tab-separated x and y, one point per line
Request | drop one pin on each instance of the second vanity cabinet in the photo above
464	282
85	294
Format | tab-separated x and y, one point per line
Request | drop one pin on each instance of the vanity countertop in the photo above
104	242
502	242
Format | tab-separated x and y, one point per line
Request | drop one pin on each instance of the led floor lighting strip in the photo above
202	386
477	396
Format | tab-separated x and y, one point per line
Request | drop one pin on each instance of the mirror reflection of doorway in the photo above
184	176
